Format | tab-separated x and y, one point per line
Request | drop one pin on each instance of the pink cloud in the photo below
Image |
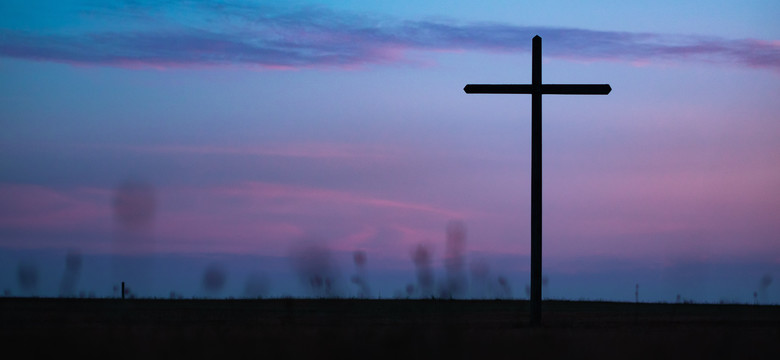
673	209
38	207
251	217
268	191
257	217
660	210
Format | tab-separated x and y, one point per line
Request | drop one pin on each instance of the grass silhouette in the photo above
307	328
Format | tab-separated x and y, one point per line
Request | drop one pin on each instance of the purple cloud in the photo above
255	35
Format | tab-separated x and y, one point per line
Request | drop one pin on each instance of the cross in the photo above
536	89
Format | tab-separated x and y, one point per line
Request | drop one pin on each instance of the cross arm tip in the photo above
472	89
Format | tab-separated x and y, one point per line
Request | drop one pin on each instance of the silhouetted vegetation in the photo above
328	328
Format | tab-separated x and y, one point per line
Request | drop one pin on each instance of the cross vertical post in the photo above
536	181
537	89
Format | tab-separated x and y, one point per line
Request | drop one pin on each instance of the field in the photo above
453	329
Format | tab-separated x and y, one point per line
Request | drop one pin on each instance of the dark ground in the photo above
348	328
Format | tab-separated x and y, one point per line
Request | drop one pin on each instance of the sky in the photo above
300	148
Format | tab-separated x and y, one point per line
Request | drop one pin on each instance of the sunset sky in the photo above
209	147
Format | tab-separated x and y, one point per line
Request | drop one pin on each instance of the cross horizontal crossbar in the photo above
552	89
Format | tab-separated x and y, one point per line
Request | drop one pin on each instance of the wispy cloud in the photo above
225	34
296	150
248	216
256	191
27	206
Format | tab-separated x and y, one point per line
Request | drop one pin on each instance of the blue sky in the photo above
239	133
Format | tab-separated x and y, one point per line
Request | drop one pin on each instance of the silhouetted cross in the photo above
536	89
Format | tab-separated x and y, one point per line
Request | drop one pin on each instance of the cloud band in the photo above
255	35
